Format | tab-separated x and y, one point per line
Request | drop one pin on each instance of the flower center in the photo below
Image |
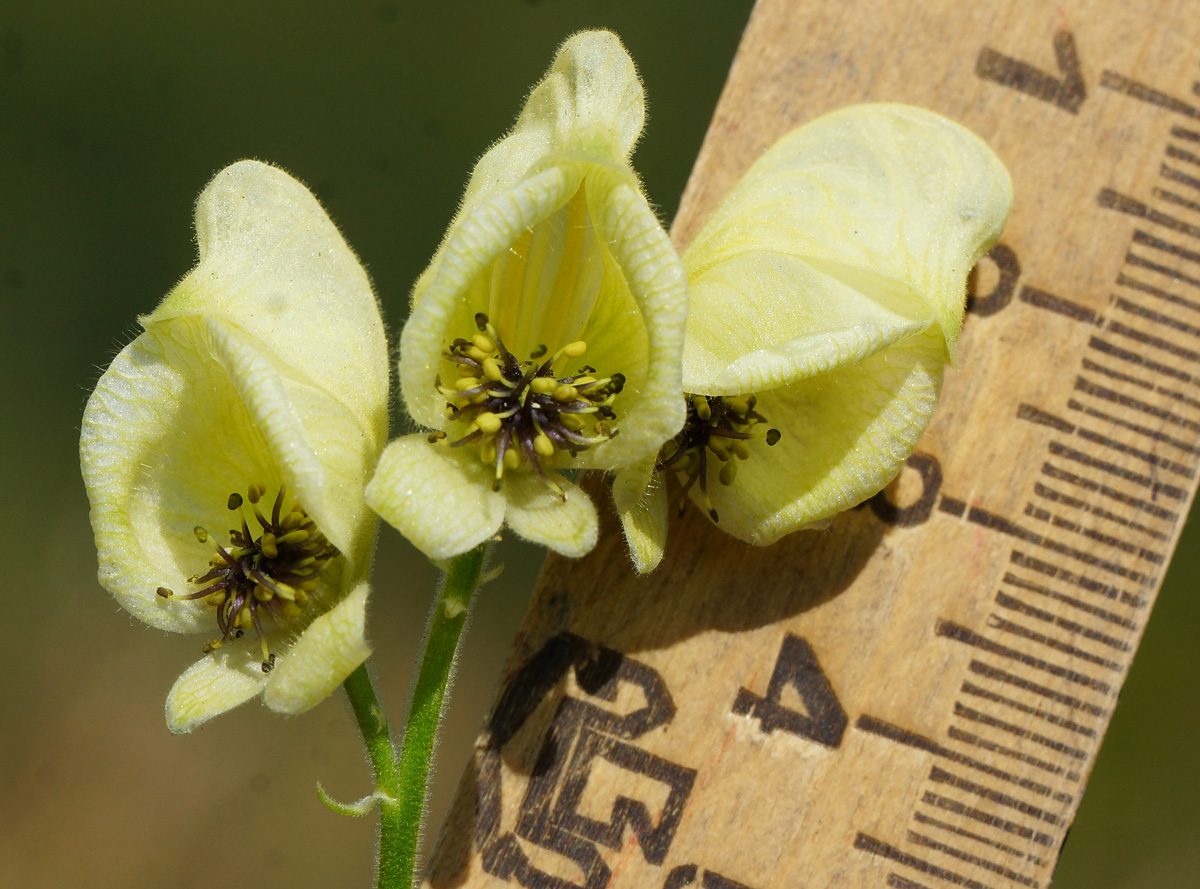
519	412
718	425
272	573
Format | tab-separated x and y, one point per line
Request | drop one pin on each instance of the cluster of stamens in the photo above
519	413
273	573
720	427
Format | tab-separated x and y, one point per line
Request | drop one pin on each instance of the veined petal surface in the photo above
329	650
894	201
565	523
272	264
440	498
845	435
213	685
590	104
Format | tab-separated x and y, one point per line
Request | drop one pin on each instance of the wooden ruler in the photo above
915	697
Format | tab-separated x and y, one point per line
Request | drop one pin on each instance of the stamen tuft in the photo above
521	413
272	574
717	427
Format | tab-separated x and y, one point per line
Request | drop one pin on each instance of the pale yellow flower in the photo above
258	385
827	292
546	333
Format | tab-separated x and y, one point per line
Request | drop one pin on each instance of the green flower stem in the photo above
377	736
436	673
401	785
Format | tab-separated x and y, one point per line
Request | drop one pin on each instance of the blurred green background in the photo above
113	116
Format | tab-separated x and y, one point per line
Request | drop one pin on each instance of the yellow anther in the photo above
703	411
740	450
740	404
491	369
234	501
483	343
543	385
201	534
255	491
268	545
301	596
164	592
309	585
262	593
512	459
291	609
488	423
729	472
216	599
479	399
244	620
719	447
574	422
475	353
575	349
293	520
487	453
565	393
464	383
298	536
543	446
284	590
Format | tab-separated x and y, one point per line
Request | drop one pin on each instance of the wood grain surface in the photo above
914	697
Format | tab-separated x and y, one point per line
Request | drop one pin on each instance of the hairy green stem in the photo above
429	694
377	736
402	783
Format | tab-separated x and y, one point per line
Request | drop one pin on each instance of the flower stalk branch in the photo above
403	814
377	738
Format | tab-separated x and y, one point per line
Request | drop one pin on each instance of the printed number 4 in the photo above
797	666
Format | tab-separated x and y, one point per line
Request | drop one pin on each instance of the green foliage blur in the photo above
113	116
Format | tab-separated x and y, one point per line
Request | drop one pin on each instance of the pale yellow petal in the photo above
640	496
763	320
444	304
589	105
214	684
565	523
324	454
845	435
889	190
640	335
166	437
439	497
328	651
273	265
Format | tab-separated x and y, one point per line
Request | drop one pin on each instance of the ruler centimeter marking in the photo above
1130	372
914	698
